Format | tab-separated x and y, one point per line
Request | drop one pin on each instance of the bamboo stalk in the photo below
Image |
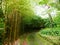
15	16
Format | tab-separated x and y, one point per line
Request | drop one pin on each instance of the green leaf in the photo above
43	2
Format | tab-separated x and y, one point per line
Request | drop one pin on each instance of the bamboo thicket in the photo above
12	26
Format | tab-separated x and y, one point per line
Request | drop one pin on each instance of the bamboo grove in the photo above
14	17
20	19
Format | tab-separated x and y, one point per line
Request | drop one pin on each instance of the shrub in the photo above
31	24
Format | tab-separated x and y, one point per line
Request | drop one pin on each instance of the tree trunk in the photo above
51	20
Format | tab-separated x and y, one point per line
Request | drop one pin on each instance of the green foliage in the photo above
29	21
31	24
1	13
48	23
1	22
23	6
57	20
1	36
52	3
28	18
51	31
1	31
1	25
43	2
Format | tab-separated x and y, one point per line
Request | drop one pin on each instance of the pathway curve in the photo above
32	39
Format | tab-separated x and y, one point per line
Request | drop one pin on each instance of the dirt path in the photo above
32	40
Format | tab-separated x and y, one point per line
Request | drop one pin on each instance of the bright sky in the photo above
42	10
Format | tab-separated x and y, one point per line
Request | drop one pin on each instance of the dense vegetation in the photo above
19	18
31	24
